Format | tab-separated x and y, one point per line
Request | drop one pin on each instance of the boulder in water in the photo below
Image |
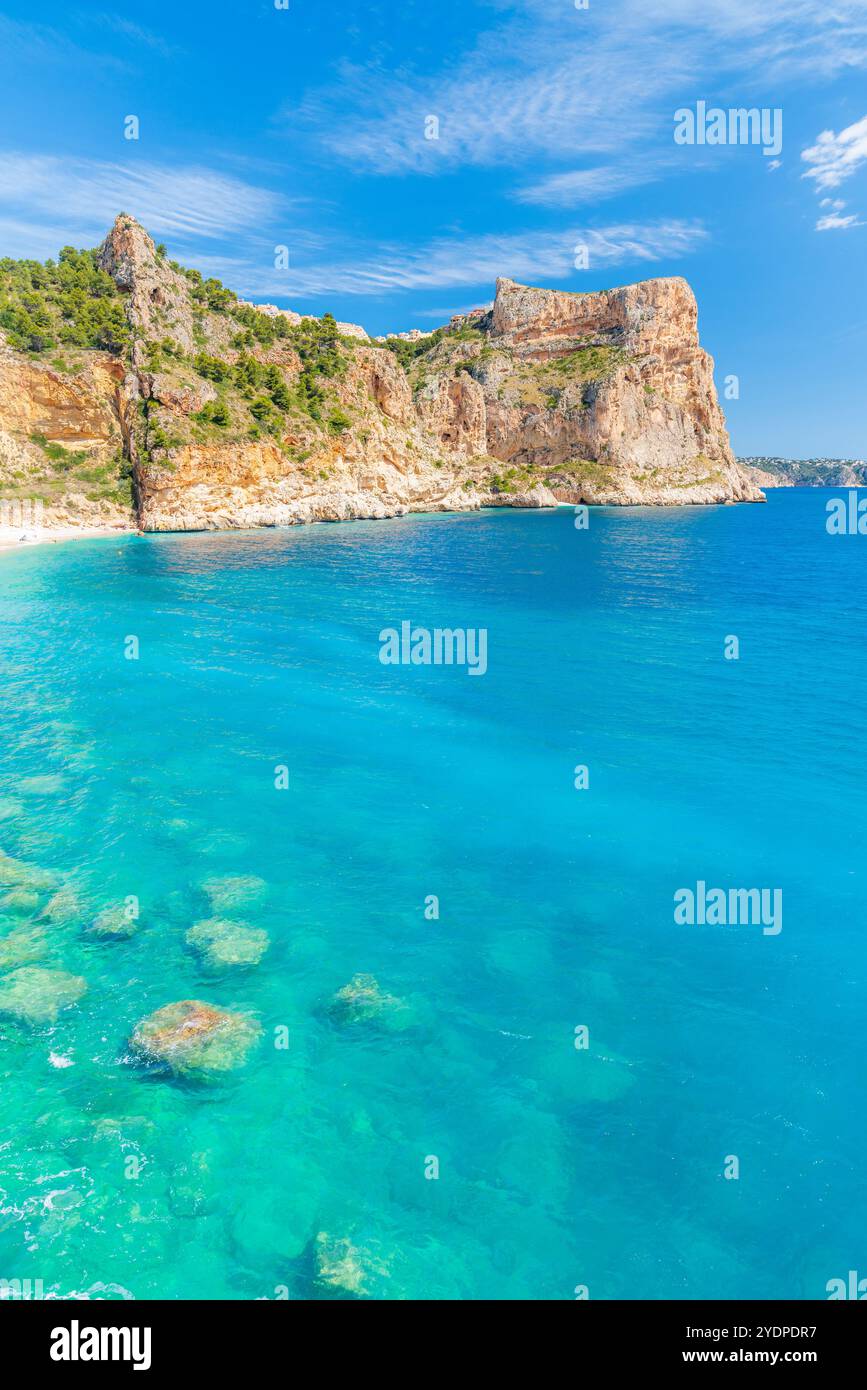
352	1269
194	1038
220	941
21	901
34	994
363	1001
113	924
63	906
48	784
15	873
234	890
22	945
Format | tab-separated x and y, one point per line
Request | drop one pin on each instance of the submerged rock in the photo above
354	1269
192	1037
362	1001
47	784
15	873
194	1190
113	924
22	945
22	901
34	994
219	842
63	906
232	891
220	941
176	828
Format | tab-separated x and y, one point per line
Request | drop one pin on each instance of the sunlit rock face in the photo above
547	397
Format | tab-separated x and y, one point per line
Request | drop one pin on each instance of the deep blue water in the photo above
558	1167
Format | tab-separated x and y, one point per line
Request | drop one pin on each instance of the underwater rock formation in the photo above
194	1038
234	890
363	1001
351	1269
220	941
113	924
34	994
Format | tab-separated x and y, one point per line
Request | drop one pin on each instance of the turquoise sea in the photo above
558	1166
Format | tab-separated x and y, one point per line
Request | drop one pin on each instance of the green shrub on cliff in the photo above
280	395
406	351
213	368
63	459
212	294
214	413
339	422
69	301
257	327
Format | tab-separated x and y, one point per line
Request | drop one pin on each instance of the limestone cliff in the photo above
226	414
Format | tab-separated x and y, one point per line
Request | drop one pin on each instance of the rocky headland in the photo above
135	393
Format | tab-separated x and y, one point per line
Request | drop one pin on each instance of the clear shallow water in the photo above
557	1167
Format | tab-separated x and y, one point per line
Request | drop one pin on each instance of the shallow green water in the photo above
557	1167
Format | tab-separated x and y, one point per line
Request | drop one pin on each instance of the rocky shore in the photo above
211	413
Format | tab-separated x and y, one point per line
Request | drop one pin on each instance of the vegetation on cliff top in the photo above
407	351
69	302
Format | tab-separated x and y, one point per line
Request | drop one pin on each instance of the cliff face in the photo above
230	415
62	441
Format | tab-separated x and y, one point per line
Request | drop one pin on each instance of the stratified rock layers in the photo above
547	397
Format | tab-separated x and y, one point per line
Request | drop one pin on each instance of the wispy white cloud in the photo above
833	222
82	197
137	34
832	160
39	44
455	262
836	157
590	185
566	84
490	112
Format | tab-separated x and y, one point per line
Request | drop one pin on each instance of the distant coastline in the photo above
782	472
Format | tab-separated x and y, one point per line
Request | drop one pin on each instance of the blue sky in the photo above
304	127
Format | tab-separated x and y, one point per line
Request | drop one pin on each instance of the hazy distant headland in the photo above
775	472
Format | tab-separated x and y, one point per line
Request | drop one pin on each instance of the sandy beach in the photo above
18	537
